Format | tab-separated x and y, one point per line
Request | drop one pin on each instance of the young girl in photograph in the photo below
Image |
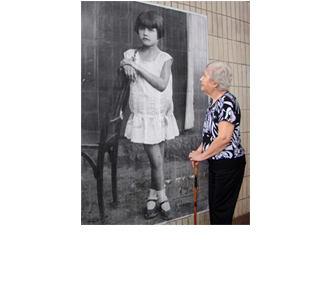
151	121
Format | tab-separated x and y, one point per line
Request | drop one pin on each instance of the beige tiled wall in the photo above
228	40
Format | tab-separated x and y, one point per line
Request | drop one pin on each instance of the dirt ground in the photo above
133	183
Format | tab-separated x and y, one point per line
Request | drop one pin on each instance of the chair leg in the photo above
113	160
100	188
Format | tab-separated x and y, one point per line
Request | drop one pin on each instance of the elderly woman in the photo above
221	143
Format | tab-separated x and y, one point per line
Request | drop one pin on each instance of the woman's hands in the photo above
195	156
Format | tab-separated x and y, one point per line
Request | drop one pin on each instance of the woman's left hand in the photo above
195	156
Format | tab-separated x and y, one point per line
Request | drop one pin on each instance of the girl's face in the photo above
206	83
148	36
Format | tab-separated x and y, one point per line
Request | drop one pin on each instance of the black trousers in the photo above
224	184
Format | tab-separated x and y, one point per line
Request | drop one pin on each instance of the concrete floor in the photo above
242	220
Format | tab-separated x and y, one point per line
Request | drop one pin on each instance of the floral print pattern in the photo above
225	108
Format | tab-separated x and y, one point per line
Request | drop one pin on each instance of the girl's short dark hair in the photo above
150	19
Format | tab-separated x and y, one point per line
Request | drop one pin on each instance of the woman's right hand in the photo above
130	72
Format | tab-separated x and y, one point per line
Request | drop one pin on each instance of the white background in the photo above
291	236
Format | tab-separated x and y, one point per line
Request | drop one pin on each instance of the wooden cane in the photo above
195	191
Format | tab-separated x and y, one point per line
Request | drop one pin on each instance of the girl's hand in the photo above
128	62
130	72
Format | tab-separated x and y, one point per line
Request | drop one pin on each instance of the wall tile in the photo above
216	49
228	8
186	8
248	76
241	5
167	3
243	53
238	30
247	167
246	142
229	26
247	54
242	24
215	24
244	75
210	47
219	7
240	81
234	51
235	74
220	26
232	5
230	51
210	23
209	5
238	52
233	29
247	33
224	8
204	5
244	206
198	4
224	27
225	50
245	11
237	10
236	212
180	6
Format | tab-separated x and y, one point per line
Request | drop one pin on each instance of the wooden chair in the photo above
107	139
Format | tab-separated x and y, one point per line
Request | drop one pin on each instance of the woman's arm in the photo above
160	83
225	133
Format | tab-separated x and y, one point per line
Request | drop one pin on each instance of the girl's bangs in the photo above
147	23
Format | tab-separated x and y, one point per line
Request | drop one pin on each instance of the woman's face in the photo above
148	36
206	83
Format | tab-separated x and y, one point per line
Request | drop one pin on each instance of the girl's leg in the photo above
156	157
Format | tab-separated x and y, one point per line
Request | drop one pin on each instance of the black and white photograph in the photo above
137	131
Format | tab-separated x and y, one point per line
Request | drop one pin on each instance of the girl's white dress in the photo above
151	120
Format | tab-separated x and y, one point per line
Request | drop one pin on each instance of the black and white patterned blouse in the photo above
225	108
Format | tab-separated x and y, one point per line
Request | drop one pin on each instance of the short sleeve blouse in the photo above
226	108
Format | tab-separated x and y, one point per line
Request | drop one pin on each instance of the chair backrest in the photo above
111	113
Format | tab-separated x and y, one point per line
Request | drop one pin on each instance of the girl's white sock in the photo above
152	196
161	198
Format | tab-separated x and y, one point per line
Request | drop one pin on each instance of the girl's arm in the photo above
160	83
225	133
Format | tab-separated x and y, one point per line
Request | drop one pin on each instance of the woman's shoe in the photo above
151	213
166	215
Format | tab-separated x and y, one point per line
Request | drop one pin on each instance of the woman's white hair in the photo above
221	73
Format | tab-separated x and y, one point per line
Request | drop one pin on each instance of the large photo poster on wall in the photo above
142	112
